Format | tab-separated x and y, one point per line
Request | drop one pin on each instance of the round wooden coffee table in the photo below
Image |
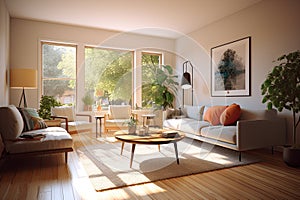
151	139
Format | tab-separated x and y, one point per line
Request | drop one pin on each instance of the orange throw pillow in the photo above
230	115
212	115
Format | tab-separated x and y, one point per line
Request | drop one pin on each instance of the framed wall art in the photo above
230	68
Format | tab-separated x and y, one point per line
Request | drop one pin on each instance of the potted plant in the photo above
131	123
46	103
88	101
281	89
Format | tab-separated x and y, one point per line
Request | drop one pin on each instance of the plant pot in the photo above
291	156
131	129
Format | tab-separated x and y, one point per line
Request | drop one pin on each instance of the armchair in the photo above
69	121
116	116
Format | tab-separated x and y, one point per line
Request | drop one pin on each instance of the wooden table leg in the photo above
176	152
159	147
132	153
122	148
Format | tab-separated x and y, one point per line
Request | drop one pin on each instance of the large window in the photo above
150	63
108	76
59	72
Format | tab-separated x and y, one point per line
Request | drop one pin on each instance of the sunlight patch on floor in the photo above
84	188
204	152
218	158
133	177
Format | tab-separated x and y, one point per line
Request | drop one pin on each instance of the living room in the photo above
271	24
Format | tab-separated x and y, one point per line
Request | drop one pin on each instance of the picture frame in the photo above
230	68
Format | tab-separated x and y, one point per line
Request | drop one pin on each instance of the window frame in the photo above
65	44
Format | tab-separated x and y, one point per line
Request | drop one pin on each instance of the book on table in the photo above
170	134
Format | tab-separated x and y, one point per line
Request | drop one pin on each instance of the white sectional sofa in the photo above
254	129
44	139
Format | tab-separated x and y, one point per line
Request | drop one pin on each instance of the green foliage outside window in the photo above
59	72
109	74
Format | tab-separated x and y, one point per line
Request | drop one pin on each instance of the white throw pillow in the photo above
194	112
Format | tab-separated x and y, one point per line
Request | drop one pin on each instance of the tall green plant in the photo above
281	89
46	103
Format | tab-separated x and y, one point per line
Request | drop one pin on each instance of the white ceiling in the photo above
169	18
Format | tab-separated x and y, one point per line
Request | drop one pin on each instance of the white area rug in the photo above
107	169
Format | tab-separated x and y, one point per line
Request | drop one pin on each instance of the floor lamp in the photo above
187	80
23	79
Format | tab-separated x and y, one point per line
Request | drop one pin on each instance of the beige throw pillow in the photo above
11	123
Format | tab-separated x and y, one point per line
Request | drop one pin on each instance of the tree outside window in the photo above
108	76
150	63
59	72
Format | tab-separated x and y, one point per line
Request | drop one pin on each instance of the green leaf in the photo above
269	105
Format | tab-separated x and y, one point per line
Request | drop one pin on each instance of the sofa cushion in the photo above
221	133
212	115
54	138
31	119
186	125
230	115
64	111
11	123
77	126
194	112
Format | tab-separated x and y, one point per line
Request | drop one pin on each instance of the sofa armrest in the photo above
63	118
253	134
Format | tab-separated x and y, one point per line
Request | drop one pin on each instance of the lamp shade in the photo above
23	78
186	81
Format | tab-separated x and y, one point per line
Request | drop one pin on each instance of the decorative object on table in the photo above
24	79
98	104
131	123
281	90
88	101
170	134
187	82
46	103
162	88
230	68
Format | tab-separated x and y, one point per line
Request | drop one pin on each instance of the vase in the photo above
291	156
131	129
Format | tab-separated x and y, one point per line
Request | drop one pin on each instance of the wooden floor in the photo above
48	177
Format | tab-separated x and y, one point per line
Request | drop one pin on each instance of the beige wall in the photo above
274	29
26	49
4	54
4	59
